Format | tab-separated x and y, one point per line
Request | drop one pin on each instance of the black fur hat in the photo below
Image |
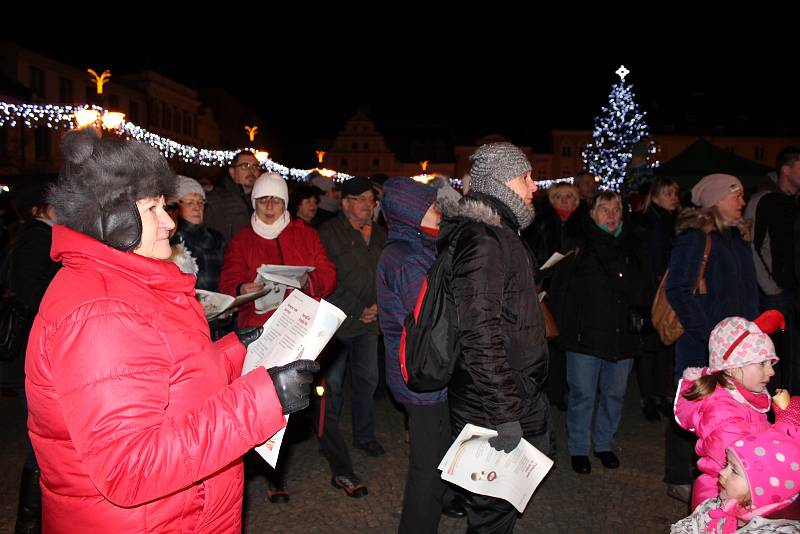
100	182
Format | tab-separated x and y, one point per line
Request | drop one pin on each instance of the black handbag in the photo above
639	320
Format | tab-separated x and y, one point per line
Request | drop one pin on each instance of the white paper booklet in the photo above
474	465
298	330
554	259
288	275
215	304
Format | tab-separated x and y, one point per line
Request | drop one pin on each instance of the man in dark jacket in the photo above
774	215
354	244
413	218
502	361
229	206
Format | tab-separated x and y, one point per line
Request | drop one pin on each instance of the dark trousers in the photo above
679	455
556	385
489	515
654	374
359	354
679	447
429	433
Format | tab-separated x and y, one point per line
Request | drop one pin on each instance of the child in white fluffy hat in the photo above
728	399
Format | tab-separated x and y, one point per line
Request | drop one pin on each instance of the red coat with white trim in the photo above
138	419
297	244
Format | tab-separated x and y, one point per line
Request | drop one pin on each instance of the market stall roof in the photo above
703	157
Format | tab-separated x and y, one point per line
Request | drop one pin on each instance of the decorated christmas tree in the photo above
617	130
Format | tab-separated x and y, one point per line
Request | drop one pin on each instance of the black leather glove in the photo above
292	383
248	335
508	436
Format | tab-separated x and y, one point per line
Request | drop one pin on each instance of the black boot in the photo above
29	511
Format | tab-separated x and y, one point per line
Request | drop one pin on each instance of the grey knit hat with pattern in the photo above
493	165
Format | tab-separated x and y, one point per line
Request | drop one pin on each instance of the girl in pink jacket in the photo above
728	399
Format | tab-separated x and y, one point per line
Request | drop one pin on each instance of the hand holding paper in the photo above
297	331
292	384
472	463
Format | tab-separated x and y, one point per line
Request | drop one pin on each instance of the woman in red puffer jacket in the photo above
137	419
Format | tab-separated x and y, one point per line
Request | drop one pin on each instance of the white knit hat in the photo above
270	184
187	186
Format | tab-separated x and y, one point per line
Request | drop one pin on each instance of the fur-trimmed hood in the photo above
471	208
694	219
697	219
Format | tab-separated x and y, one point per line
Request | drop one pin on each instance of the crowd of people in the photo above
139	416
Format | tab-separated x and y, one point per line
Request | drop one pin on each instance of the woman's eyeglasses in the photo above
269	200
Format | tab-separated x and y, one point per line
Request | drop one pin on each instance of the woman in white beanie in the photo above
205	244
274	238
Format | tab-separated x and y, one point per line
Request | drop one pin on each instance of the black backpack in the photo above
429	342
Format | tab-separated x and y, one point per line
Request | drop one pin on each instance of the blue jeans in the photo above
584	374
360	354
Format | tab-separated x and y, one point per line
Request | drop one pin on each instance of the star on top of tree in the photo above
622	72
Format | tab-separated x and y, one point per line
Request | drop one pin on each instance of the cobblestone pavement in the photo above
630	499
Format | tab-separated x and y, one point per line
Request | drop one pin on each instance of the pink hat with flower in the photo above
737	342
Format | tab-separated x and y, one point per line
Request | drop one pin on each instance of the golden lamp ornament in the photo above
99	80
251	131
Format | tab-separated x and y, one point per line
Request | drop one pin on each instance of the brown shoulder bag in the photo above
665	321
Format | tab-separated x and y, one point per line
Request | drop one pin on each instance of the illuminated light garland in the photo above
63	117
618	128
546	184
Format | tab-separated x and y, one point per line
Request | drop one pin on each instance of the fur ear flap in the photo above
121	225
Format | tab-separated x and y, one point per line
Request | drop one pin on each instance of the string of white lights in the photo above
63	117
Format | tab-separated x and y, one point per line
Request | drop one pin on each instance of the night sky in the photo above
461	92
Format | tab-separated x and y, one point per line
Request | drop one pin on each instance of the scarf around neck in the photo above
269	231
760	402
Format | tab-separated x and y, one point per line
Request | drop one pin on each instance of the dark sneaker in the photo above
372	448
455	510
350	484
650	411
608	459
681	492
277	492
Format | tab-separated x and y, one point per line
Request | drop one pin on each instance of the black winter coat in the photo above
503	355
595	293
229	208
549	234
32	269
660	227
207	247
